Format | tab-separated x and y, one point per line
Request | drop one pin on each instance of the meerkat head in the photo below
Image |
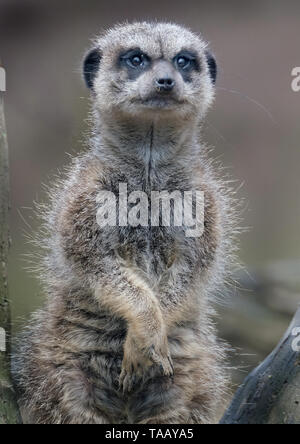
151	70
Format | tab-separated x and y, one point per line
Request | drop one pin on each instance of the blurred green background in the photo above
254	128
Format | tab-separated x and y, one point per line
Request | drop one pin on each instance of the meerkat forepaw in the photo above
131	374
163	360
138	360
131	367
126	381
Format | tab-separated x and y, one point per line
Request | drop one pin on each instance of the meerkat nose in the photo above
164	84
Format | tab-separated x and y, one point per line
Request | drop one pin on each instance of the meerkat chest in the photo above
155	249
149	227
154	221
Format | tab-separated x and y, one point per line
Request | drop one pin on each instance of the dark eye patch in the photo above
186	62
135	62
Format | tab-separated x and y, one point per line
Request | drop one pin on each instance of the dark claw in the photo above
171	363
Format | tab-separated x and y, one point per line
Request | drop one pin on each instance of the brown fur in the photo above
126	335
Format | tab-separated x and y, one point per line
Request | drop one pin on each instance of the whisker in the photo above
255	102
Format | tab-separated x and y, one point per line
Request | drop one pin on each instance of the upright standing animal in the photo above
126	335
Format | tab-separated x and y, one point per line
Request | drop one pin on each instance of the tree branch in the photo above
271	393
8	407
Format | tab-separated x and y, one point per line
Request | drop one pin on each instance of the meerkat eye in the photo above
186	62
183	62
137	60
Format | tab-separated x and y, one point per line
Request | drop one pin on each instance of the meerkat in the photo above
127	333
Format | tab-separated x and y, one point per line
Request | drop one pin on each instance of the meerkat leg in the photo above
125	294
173	295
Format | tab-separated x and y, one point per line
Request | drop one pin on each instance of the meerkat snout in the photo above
164	84
161	86
164	77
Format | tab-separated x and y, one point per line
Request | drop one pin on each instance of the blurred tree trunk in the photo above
8	407
271	393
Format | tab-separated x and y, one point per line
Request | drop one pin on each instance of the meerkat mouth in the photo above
159	102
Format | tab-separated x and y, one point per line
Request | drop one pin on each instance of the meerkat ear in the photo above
212	66
91	66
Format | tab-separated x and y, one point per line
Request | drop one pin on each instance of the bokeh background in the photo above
254	128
